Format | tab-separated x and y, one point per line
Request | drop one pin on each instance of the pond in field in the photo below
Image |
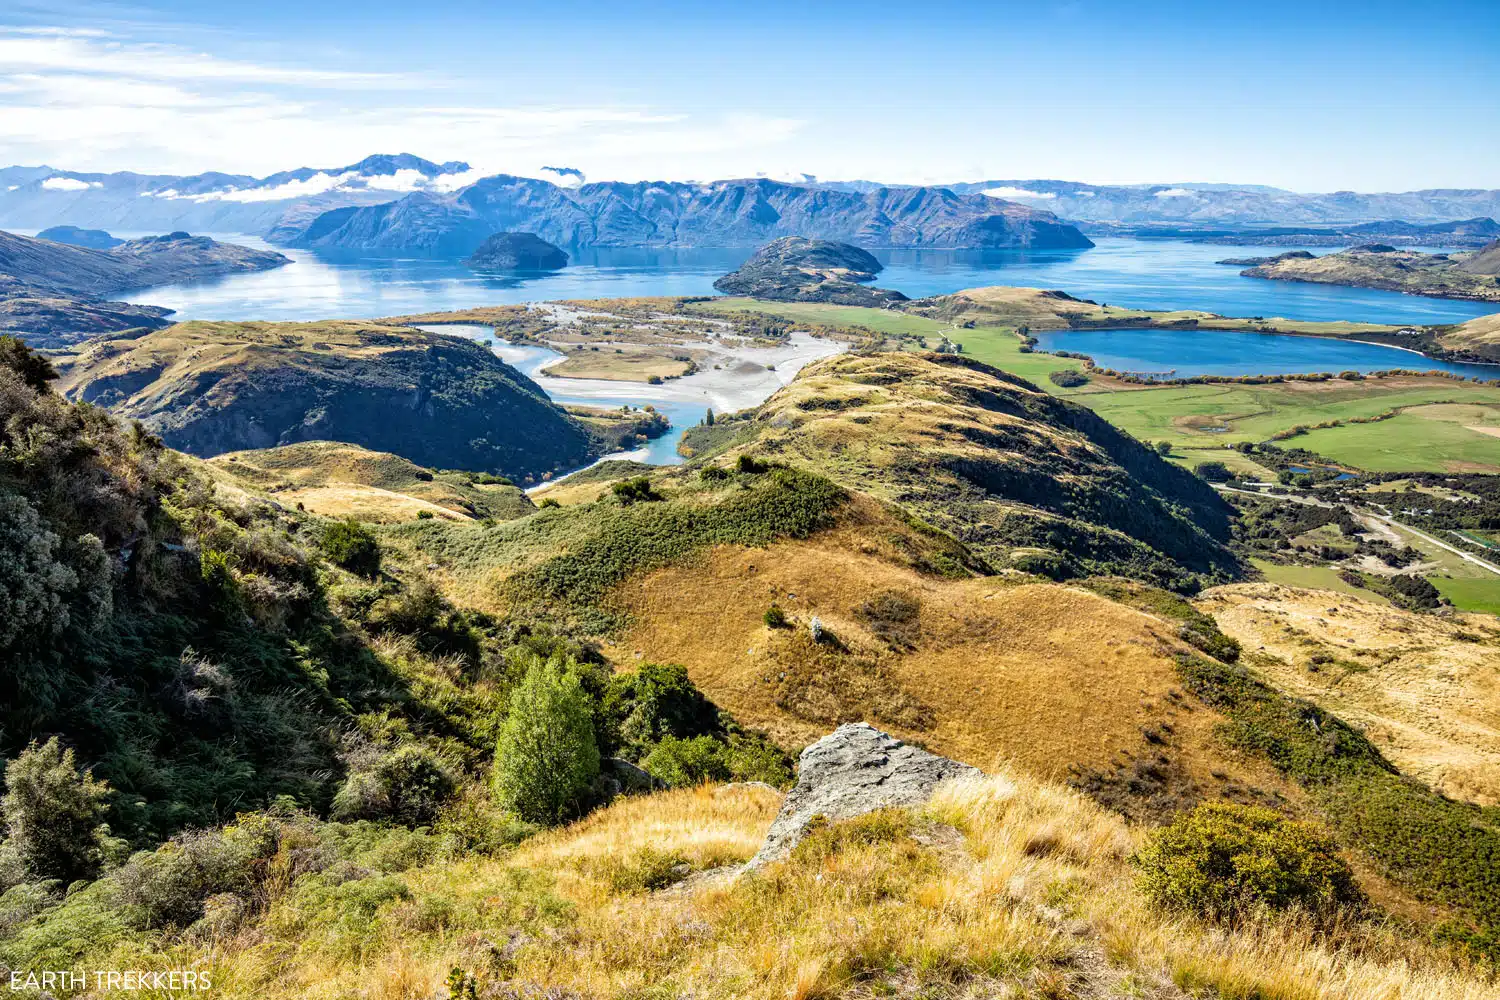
1185	353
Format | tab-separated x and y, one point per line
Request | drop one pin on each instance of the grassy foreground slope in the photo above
999	887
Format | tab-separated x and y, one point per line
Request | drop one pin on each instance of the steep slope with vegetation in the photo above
1021	477
439	401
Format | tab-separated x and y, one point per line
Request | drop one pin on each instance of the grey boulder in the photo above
855	769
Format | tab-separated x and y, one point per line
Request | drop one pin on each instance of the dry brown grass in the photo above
1427	696
1001	887
630	365
1043	676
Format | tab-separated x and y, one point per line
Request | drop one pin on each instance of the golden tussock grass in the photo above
1001	886
1426	690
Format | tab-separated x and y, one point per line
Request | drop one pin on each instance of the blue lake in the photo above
1184	353
1154	274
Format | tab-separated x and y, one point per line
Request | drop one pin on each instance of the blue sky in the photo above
1312	96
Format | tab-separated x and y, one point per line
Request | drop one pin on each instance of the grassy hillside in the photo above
1423	689
443	402
1019	476
344	480
208	650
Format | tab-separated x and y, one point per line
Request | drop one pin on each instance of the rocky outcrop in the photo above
734	213
854	770
94	239
517	252
1258	261
795	269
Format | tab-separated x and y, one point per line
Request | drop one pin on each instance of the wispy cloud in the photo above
88	100
98	54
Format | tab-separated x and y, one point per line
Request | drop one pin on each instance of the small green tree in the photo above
708	418
32	369
1164	447
351	545
546	756
54	814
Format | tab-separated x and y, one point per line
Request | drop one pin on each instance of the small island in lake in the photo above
796	269
517	252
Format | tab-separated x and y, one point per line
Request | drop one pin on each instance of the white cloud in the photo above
102	55
69	184
1012	193
1175	193
90	101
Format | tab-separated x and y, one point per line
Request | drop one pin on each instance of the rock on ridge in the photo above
854	770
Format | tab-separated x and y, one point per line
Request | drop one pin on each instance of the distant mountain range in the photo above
405	202
1250	205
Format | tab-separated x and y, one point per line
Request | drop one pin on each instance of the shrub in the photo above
1214	472
751	464
894	617
546	756
1227	862
172	884
424	515
1068	378
548	502
54	814
659	701
350	545
1164	447
33	369
409	785
775	617
689	762
713	474
636	490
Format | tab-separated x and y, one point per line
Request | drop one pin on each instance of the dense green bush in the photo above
410	785
658	701
351	545
775	617
689	762
34	370
546	757
1214	472
634	490
54	815
1068	378
1228	862
1433	846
